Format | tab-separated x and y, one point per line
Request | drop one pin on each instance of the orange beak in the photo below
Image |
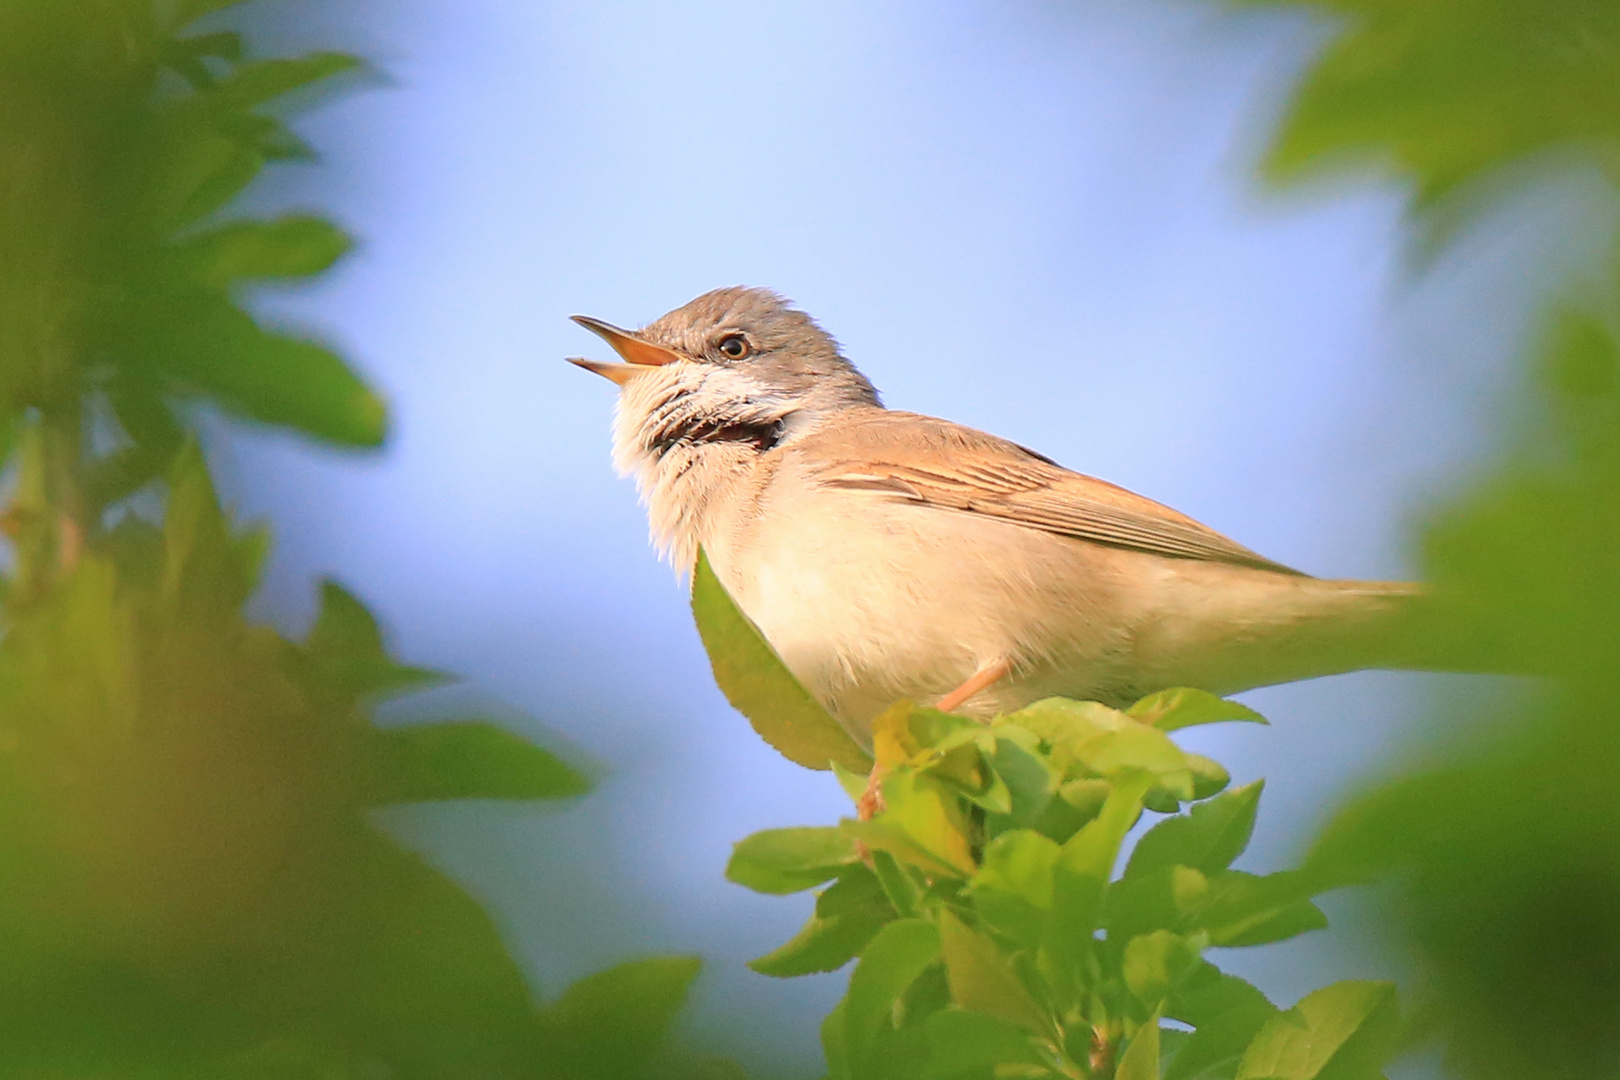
640	353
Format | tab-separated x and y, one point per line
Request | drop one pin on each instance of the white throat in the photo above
689	434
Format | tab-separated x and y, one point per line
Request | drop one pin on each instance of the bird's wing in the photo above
937	463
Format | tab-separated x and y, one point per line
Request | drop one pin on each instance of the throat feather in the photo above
761	435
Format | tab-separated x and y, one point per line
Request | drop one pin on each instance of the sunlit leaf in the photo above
1341	1032
1207	838
1181	707
1141	1058
790	860
760	687
1013	887
981	979
1155	964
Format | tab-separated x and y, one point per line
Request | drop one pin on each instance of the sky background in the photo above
1042	219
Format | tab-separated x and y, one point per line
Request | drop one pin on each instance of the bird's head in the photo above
735	366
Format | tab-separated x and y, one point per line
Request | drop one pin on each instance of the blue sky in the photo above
1037	218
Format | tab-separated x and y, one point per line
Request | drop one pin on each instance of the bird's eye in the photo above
734	346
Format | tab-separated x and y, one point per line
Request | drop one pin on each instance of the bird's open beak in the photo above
640	353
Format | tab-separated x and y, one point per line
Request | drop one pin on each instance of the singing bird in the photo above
888	554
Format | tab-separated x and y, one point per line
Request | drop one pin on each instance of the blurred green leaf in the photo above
1207	838
346	646
288	247
189	11
467	760
784	861
1181	707
1341	1032
609	1025
982	980
211	348
258	82
757	684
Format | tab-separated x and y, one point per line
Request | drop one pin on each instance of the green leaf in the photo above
258	82
780	861
210	348
1155	964
466	760
1060	721
1209	777
1081	875
848	914
1207	838
189	11
899	953
760	687
1135	748
1141	1058
1180	707
289	247
1218	1042
1209	993
962	1042
834	1046
1166	899
823	944
982	979
1243	909
1012	890
207	573
610	1024
931	816
346	648
1342	1032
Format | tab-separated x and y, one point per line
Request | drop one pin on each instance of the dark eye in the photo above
734	346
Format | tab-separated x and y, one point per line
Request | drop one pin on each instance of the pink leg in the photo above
979	680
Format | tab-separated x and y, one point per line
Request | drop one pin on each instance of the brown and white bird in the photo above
889	555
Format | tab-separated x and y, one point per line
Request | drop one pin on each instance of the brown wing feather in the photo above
937	463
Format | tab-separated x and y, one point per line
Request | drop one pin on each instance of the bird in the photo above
890	555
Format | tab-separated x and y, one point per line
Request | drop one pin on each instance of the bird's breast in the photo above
868	599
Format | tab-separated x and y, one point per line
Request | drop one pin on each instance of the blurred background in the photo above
1040	219
1047	220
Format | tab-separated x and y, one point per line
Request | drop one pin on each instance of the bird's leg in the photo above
979	680
870	803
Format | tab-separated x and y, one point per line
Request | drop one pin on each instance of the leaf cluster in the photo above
990	933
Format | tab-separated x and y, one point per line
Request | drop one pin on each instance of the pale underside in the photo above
891	555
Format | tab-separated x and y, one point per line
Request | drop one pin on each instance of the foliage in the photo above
193	885
991	935
1503	854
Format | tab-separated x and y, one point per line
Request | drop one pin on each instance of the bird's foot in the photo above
870	804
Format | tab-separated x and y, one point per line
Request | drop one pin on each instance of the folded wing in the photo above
936	463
